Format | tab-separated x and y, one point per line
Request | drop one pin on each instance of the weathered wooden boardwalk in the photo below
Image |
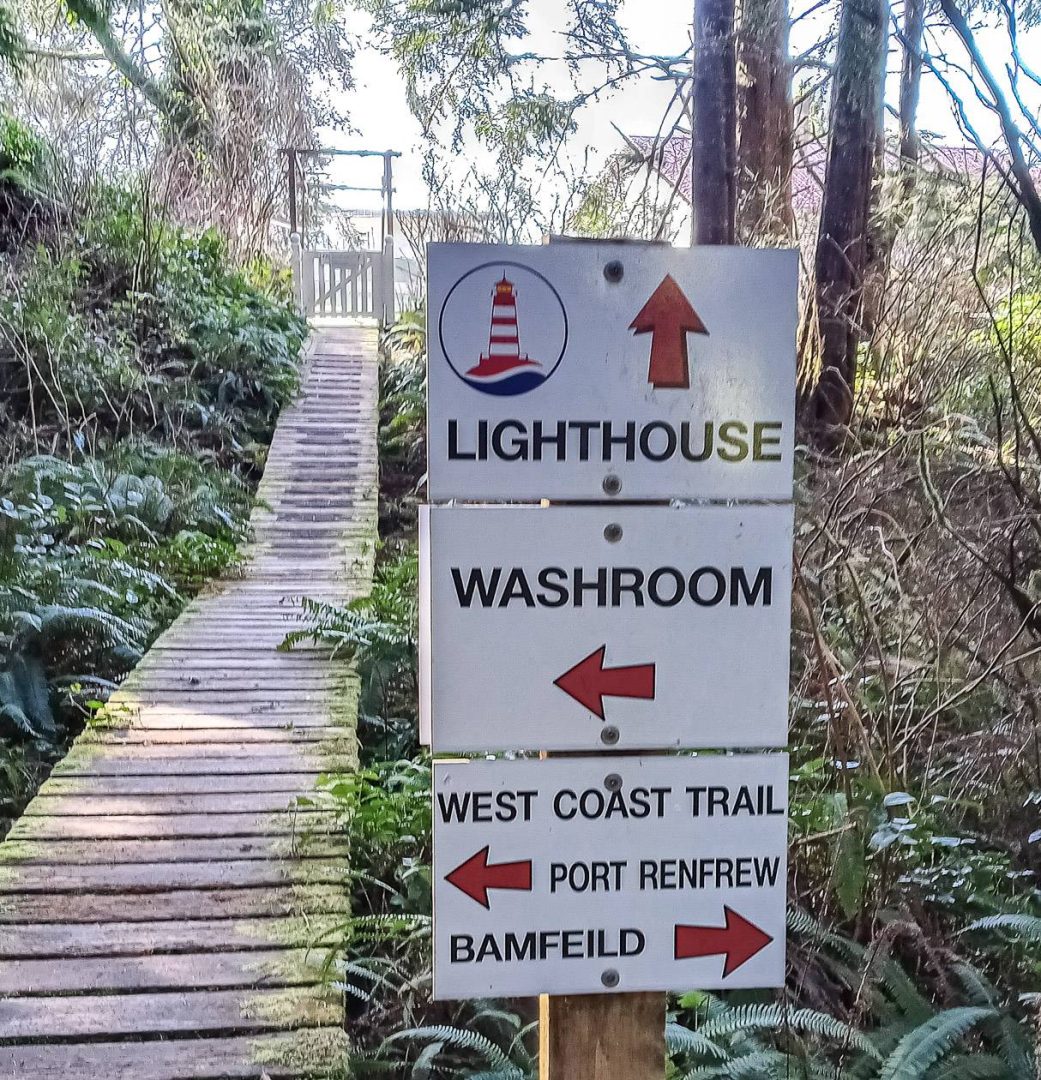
159	897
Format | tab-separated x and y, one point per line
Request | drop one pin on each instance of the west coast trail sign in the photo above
551	377
611	381
629	873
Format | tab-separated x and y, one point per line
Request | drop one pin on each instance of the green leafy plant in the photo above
143	374
379	633
22	152
893	1027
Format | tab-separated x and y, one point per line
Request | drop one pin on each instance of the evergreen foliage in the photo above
141	377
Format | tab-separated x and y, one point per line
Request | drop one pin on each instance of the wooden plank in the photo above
215	783
143	760
157	715
62	940
251	802
140	877
188	971
168	661
128	736
179	904
207	715
153	1014
235	683
159	826
196	849
246	686
313	1052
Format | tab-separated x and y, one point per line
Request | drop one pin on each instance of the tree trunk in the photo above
765	121
714	147
843	245
1021	182
910	86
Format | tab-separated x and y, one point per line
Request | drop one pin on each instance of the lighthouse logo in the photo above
503	329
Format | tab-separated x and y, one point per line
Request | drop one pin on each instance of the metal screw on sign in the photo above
613	533
614	271
609	978
609	735
613	782
612	485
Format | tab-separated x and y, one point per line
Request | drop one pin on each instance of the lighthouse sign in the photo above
575	371
604	378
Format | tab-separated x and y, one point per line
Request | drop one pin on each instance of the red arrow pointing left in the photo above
589	682
739	940
475	876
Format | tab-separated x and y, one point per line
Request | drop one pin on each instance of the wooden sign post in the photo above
602	1037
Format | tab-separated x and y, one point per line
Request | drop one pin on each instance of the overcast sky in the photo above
655	26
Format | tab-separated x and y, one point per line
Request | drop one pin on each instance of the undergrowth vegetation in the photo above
141	374
916	922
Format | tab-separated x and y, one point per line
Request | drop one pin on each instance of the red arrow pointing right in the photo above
475	876
739	939
589	682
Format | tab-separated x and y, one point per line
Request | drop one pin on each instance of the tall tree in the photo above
714	106
844	253
764	119
229	87
910	86
1021	129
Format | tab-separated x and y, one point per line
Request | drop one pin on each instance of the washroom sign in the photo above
577	371
605	627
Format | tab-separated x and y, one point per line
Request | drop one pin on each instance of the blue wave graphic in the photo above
520	383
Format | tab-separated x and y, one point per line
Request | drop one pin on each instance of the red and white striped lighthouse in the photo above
504	336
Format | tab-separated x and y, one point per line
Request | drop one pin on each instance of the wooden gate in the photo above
345	284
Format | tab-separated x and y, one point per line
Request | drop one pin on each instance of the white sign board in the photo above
575	371
606	627
588	875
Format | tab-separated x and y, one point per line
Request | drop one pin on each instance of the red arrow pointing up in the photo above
475	877
668	317
739	939
589	682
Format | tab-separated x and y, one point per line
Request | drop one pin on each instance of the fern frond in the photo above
974	1067
758	1065
682	1040
776	1018
1027	926
928	1043
459	1039
977	988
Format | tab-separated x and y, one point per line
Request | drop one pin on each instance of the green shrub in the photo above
144	374
22	152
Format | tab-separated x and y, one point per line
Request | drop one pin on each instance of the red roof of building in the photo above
672	159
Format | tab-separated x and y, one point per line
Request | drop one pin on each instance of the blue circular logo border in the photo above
441	331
